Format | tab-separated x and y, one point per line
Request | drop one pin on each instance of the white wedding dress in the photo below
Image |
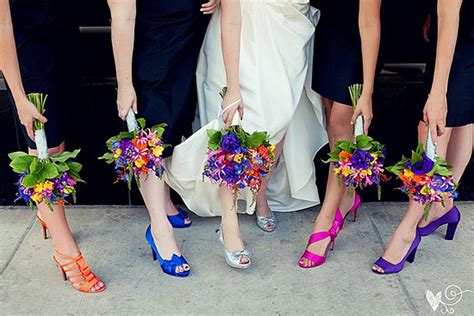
275	75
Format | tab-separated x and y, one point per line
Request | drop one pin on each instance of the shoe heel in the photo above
331	245
63	273
451	230
153	254
411	257
354	215
45	232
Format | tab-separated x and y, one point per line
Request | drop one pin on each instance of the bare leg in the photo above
59	229
405	233
262	208
458	155
230	223
339	128
154	194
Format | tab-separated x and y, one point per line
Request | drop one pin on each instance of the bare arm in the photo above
369	27
123	14
448	26
231	24
11	71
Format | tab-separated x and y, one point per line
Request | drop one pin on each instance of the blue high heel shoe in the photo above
168	266
179	220
389	268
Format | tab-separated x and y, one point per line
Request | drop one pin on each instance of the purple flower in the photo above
361	159
228	175
423	166
231	144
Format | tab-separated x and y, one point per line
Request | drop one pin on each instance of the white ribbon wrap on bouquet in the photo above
430	146
235	119
41	144
359	126
131	121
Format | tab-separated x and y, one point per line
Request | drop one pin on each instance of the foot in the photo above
166	245
233	241
436	211
171	210
262	208
73	273
323	224
398	246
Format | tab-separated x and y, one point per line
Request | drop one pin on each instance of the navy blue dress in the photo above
460	94
337	50
168	38
46	33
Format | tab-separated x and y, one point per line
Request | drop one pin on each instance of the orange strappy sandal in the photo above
81	277
43	226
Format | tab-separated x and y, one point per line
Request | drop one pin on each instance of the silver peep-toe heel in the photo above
267	223
234	259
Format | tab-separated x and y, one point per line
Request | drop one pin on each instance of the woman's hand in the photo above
364	109
28	113
126	100
231	96
434	114
210	7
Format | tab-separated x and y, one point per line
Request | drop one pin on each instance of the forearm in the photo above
8	56
370	29
448	26
231	23
123	36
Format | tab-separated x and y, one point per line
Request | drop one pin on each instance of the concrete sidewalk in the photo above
112	241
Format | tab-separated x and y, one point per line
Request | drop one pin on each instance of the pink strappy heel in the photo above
339	219
317	260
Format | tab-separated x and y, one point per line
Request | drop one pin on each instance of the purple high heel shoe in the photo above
390	268
451	218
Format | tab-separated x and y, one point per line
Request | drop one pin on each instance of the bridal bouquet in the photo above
43	179
237	159
359	164
426	178
137	151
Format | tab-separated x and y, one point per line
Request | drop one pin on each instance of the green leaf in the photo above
30	180
256	139
215	138
16	154
142	123
48	171
74	166
21	163
64	156
61	166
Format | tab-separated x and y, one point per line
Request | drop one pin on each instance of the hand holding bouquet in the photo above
237	159
359	164
426	178
43	179
137	151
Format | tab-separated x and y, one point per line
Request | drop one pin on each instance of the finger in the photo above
208	4
30	131
135	107
123	113
441	129
41	118
241	112
354	116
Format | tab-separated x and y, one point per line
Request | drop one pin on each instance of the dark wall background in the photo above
399	96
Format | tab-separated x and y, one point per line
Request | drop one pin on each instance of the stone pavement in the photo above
112	241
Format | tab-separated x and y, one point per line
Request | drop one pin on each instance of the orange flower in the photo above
345	156
140	143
